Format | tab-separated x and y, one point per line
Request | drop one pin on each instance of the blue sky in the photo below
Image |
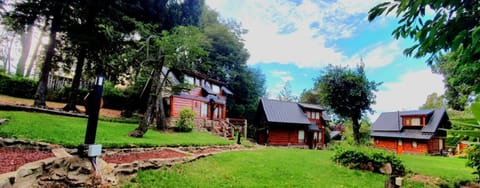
292	40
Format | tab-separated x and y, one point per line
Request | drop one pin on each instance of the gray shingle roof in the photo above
311	106
389	124
227	91
416	112
283	112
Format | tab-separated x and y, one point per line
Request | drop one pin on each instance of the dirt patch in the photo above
136	156
13	158
424	179
104	112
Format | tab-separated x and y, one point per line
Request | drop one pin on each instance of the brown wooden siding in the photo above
433	145
283	136
406	147
196	92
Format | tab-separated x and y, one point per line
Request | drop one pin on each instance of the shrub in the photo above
112	97
368	159
473	156
17	86
185	123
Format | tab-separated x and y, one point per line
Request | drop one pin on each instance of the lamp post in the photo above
93	104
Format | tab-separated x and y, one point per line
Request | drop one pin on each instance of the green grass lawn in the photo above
261	168
452	169
275	167
70	132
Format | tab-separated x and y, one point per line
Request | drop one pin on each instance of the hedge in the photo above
368	159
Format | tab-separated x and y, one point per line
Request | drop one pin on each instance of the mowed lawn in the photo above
70	132
260	168
276	167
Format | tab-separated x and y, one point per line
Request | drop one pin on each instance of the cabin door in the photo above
399	147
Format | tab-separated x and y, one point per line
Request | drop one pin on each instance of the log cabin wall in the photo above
284	136
408	146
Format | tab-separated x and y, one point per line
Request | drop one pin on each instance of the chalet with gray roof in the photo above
290	123
420	131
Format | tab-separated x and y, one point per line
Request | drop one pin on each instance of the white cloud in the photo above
283	75
280	31
409	93
379	55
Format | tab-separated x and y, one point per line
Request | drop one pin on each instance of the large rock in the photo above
386	169
71	171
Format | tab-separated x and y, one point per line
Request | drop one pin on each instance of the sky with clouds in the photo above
292	40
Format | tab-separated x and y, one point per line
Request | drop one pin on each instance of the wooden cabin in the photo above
207	98
290	124
416	132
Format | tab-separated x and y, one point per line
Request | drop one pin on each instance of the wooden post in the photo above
245	129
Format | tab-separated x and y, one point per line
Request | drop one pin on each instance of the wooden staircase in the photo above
225	129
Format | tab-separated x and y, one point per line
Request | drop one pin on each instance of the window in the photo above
301	136
415	121
215	88
197	81
400	142
204	110
317	115
215	113
414	144
440	144
189	80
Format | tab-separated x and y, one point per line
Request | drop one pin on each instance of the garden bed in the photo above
128	157
13	158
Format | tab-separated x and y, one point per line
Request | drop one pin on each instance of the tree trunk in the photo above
9	54
72	95
26	39
41	93
356	130
35	53
150	112
161	119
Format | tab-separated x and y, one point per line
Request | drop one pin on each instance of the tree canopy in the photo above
434	101
448	32
347	92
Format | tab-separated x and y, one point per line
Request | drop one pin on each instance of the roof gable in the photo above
389	124
311	106
283	112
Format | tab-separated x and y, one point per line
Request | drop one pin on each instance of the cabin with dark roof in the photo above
290	123
417	132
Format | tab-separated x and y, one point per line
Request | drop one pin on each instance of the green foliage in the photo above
286	93
185	123
347	92
434	101
472	130
365	158
113	98
473	156
227	62
364	131
17	86
70	132
309	96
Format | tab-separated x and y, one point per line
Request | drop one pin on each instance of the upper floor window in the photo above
197	81
313	115
413	121
189	80
215	88
416	121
